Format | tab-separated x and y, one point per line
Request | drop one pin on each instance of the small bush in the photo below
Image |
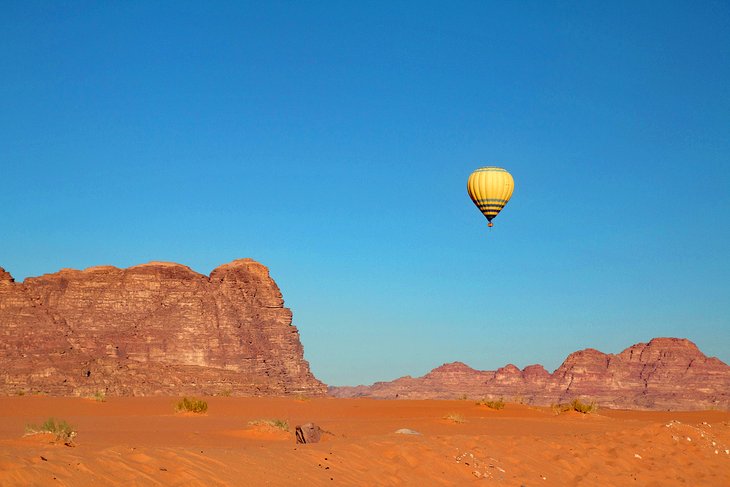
100	396
64	432
581	407
575	405
455	417
492	404
560	408
281	424
191	405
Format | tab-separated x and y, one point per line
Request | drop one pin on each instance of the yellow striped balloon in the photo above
490	188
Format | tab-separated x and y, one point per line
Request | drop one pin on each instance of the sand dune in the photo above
142	441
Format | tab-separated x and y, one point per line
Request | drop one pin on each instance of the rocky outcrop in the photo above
157	328
5	276
666	373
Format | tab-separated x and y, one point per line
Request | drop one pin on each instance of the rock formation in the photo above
5	276
157	328
308	433
666	373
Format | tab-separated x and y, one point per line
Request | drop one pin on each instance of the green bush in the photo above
64	432
191	405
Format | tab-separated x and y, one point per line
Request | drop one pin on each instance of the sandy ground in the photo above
142	441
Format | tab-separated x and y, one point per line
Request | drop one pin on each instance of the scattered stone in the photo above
406	431
308	433
636	455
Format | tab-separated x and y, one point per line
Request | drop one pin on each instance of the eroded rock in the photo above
308	433
666	373
157	328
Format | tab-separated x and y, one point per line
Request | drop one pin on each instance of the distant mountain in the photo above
666	373
157	328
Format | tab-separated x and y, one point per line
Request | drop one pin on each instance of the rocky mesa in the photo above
156	328
665	373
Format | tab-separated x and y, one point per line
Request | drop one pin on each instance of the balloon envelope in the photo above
490	188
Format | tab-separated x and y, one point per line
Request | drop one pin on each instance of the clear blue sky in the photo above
332	141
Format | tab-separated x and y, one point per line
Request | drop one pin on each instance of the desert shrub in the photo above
575	405
226	392
581	407
560	407
281	424
191	405
499	404
61	429
100	396
455	418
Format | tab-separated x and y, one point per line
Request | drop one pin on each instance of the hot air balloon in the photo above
490	188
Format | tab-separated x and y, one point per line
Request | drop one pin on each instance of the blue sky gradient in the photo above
332	142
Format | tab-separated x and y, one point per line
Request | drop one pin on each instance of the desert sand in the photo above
143	441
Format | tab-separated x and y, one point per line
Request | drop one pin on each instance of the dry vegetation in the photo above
191	405
63	431
499	404
575	405
455	418
281	424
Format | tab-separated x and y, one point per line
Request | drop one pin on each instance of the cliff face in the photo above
666	373
156	328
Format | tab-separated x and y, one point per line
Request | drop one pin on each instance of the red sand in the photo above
142	441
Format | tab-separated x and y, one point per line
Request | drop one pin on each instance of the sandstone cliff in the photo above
666	373
157	328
